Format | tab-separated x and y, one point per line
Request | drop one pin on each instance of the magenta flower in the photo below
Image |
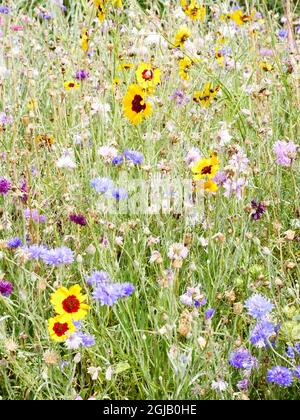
6	288
5	185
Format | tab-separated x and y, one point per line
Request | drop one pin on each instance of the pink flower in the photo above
17	28
285	152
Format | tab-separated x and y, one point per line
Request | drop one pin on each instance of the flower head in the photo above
258	306
261	334
285	152
109	293
6	288
206	168
135	157
242	359
182	35
58	256
98	277
5	185
102	185
134	106
70	302
14	242
147	76
71	85
60	328
280	375
78	219
206	96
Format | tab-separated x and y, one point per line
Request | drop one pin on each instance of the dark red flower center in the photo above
137	104
71	85
147	74
71	304
60	329
206	170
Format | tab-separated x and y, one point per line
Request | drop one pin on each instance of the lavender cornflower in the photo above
58	256
242	359
102	185
34	215
25	190
82	75
243	385
98	277
78	219
290	352
119	194
5	185
35	252
235	187
259	210
77	339
14	242
5	10
258	306
135	157
6	119
109	293
261	334
6	288
192	156
285	152
179	97
220	178
280	375
283	33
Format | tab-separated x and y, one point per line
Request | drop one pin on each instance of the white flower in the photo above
224	136
192	156
219	385
66	161
108	153
73	342
94	372
155	39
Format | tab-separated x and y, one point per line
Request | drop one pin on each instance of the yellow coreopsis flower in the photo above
147	76
70	302
266	66
195	11
60	328
117	3
100	9
210	186
206	96
45	140
134	106
182	35
70	85
184	65
85	40
32	104
206	168
240	18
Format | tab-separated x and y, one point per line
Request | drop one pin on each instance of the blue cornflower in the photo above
258	306
136	157
35	251
57	256
14	242
82	75
290	352
261	333
119	194
98	277
209	313
280	375
242	359
118	160
102	185
109	293
297	372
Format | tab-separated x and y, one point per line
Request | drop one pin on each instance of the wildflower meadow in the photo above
149	200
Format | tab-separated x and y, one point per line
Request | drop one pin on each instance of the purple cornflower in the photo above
6	119
235	187
119	194
6	288
135	157
243	385
261	333
102	185
98	277
5	185
14	242
34	215
283	33
118	160
259	210
192	297
242	359
45	15
82	75
109	293
5	10
77	339
179	97
285	152
58	256
35	251
78	219
258	306
220	178
280	375
290	352
209	313
25	191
